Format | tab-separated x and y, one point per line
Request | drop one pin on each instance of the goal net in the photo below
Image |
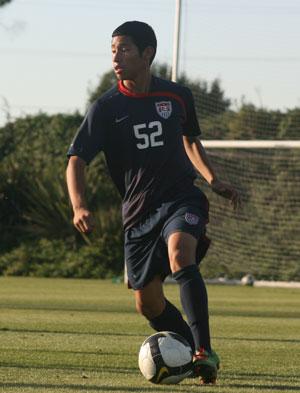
263	237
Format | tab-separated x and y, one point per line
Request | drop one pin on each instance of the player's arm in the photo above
87	142
196	153
199	159
75	175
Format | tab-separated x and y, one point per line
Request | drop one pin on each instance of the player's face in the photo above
127	61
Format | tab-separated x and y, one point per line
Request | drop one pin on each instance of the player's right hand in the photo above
83	220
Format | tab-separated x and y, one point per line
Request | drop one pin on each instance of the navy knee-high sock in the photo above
171	319
193	297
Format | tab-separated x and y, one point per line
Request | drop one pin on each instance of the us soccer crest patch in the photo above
191	218
164	109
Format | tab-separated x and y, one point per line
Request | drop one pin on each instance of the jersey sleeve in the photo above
191	125
89	139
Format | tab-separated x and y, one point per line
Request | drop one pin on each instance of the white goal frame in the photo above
251	144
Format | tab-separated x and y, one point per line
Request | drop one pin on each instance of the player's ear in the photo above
148	53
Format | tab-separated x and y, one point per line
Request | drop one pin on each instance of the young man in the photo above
148	130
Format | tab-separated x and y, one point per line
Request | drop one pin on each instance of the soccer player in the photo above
148	130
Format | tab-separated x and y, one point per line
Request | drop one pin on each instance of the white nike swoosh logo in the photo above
121	119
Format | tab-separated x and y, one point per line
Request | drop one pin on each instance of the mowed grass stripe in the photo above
84	335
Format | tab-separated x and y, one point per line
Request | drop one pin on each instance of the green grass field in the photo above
72	336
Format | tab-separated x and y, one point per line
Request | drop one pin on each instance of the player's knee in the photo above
142	308
178	259
182	250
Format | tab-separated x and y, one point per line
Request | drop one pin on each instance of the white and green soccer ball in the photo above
165	358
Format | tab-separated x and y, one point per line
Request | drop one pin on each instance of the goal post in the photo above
263	237
251	144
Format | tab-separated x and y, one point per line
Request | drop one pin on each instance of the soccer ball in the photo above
248	279
165	358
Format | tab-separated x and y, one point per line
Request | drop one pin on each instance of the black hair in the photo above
141	34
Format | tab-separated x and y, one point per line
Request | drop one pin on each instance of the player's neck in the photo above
141	84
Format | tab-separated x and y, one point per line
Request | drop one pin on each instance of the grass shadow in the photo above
81	367
275	340
94	388
5	329
272	388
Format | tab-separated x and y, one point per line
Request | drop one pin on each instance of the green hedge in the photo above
53	258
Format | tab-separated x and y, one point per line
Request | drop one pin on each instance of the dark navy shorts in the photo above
146	253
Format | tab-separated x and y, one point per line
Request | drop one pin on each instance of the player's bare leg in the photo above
150	300
161	314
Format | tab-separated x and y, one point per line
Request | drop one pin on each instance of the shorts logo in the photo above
164	109
191	218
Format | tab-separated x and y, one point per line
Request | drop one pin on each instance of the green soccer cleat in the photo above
205	366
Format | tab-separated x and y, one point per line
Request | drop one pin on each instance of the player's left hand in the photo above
227	191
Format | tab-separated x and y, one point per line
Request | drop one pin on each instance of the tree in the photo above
107	81
36	231
4	2
209	99
289	127
254	123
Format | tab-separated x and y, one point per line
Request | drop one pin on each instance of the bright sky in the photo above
52	51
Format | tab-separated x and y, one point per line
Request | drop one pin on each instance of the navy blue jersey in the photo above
141	137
